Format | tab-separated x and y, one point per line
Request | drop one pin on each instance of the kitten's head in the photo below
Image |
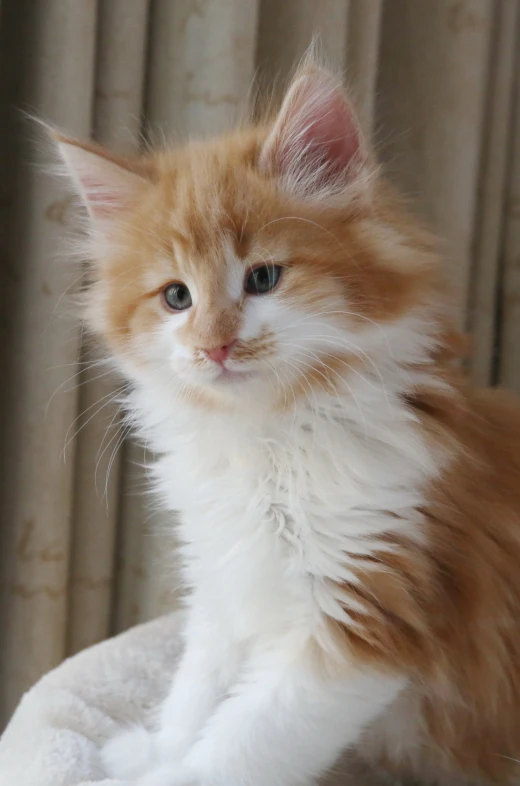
262	265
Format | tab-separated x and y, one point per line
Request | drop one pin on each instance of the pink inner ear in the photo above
330	132
101	200
106	186
316	128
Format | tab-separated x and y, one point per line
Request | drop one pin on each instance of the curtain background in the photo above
83	553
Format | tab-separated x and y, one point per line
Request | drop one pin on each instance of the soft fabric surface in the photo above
54	736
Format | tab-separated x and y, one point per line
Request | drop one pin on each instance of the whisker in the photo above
120	427
77	374
313	409
120	441
67	290
342	379
341	360
344	313
110	396
357	351
87	363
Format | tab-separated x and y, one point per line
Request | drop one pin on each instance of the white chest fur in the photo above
273	508
273	511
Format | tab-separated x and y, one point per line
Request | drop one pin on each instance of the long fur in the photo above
349	508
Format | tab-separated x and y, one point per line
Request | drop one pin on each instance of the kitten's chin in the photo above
250	387
228	376
224	380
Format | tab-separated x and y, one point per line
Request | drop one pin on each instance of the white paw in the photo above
167	775
128	754
171	744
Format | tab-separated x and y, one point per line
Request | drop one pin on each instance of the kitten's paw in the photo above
128	754
167	775
171	744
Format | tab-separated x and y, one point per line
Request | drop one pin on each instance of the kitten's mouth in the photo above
233	375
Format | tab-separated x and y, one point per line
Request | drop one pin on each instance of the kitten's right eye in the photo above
177	297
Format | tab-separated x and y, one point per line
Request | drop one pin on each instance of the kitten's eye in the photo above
177	297
262	279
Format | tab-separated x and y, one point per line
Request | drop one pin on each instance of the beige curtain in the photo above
82	552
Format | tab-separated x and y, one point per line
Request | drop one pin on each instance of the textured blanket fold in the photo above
55	734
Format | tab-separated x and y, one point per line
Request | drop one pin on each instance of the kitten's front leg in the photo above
284	725
206	668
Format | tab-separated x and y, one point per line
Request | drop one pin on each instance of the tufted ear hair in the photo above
315	147
106	183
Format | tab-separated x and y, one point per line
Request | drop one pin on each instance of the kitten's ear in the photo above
106	183
316	146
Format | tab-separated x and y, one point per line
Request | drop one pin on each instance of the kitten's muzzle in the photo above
219	354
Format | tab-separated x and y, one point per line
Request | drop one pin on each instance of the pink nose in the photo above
219	354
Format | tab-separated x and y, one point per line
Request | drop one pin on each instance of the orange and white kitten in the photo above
349	509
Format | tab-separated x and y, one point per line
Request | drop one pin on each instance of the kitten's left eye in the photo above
262	279
177	297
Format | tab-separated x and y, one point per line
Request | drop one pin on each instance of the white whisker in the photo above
110	396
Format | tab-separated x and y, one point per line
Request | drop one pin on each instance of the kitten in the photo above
349	508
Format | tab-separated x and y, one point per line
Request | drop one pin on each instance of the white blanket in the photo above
55	735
